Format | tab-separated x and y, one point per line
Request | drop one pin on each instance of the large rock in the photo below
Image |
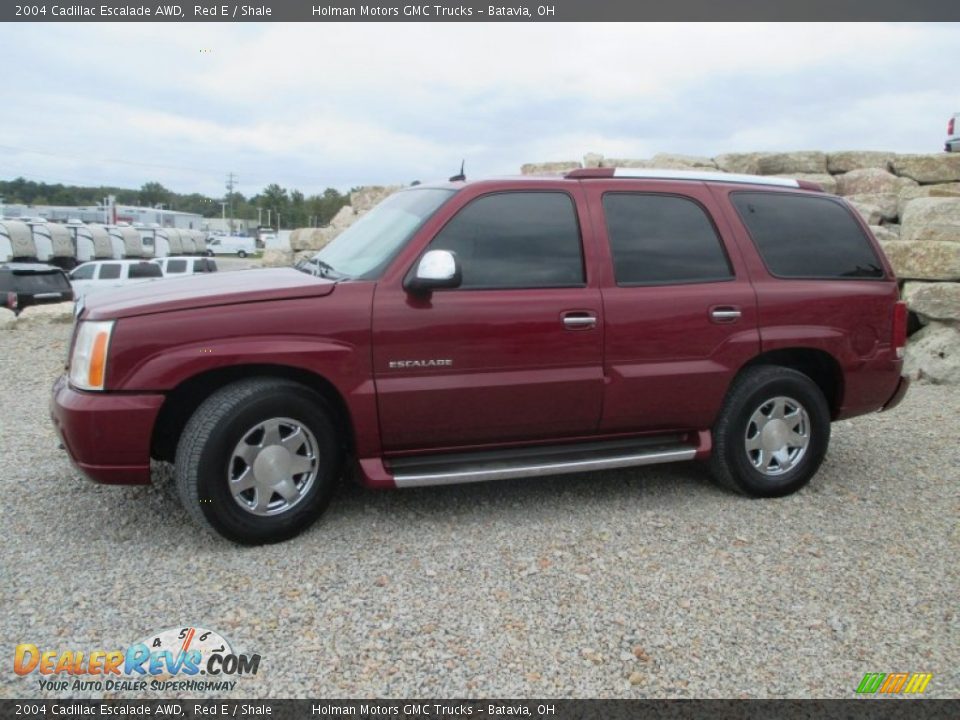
926	169
871	214
593	160
885	203
277	257
54	313
805	161
932	218
913	192
884	233
934	300
923	260
933	355
747	163
849	160
871	181
671	161
344	218
312	238
367	197
827	182
549	168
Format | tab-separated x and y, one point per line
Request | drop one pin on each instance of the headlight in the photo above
88	365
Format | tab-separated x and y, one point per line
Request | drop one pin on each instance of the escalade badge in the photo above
401	364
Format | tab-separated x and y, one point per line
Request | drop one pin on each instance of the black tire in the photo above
241	253
209	253
205	451
731	464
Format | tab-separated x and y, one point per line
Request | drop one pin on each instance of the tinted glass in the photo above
173	266
84	272
808	237
109	271
364	249
41	282
659	239
146	270
516	240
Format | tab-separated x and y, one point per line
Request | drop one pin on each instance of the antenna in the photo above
461	177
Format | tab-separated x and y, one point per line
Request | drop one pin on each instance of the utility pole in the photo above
259	215
269	215
231	184
1	207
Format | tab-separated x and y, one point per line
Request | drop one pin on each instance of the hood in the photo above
204	290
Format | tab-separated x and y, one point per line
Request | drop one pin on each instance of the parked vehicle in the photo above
25	284
953	134
231	245
90	242
53	243
499	329
16	241
126	241
161	242
182	266
98	276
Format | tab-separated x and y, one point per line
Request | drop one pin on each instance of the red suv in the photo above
498	329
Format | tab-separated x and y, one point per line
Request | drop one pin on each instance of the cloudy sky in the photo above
316	105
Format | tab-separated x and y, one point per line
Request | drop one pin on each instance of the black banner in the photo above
473	11
457	709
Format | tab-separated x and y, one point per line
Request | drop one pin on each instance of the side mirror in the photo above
437	269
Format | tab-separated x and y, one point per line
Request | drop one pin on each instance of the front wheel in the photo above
258	461
772	433
241	253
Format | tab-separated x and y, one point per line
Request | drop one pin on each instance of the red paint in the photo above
656	360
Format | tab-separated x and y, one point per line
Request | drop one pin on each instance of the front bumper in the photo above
107	435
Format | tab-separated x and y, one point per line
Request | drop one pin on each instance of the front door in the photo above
513	354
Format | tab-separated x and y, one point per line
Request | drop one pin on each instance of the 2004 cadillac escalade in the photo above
498	329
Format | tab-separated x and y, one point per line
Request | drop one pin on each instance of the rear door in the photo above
513	354
681	315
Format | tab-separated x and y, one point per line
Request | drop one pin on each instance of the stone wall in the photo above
912	204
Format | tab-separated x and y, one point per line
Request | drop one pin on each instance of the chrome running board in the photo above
535	462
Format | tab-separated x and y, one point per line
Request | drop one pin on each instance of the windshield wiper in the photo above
320	269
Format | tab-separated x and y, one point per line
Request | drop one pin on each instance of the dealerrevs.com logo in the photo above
189	659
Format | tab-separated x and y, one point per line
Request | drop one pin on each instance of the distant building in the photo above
133	214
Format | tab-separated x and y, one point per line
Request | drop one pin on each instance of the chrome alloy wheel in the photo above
777	437
273	466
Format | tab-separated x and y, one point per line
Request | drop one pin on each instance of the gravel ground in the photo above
639	583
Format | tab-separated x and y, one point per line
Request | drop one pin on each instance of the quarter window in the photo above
799	236
516	240
662	239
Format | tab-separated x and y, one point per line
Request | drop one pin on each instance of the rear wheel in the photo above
258	461
772	433
241	253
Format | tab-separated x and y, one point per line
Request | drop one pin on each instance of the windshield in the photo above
364	249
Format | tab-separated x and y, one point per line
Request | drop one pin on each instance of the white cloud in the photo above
340	104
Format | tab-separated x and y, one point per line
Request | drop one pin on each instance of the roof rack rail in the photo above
694	175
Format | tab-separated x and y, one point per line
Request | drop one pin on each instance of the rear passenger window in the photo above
662	239
176	266
145	270
109	271
807	237
516	240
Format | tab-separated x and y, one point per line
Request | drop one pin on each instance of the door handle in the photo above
725	313
579	320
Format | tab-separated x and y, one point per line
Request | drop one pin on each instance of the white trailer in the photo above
128	242
91	242
16	241
53	243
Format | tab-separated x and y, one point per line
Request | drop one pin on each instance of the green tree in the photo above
153	193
